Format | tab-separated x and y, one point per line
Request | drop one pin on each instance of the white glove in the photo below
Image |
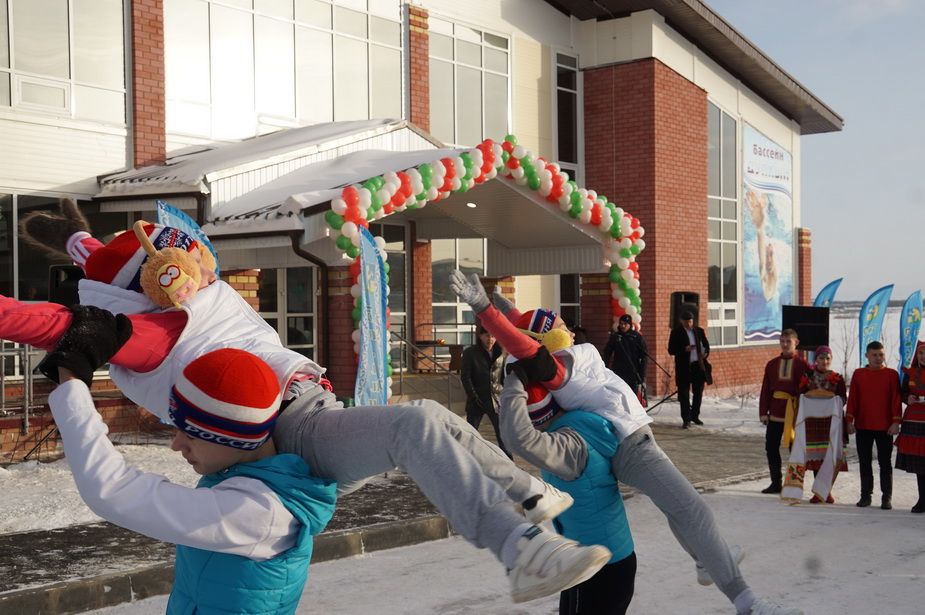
501	302
469	291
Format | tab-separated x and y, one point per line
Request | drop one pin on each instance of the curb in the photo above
87	594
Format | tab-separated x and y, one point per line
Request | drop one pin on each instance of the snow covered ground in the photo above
829	560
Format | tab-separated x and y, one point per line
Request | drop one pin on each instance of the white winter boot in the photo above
763	607
547	505
548	563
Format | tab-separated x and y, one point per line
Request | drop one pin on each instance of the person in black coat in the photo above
689	347
627	355
481	378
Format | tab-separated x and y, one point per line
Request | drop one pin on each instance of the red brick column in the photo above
148	127
418	51
421	291
646	149
342	362
805	261
596	315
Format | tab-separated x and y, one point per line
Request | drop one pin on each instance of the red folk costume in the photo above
780	391
874	402
817	429
910	445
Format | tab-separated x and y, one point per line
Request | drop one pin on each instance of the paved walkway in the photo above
83	567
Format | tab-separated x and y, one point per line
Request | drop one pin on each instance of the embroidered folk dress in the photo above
815	384
910	445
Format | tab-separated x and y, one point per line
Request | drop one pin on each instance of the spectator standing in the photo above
689	347
777	404
481	378
627	355
910	445
874	412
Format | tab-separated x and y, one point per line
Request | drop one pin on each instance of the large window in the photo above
235	69
453	321
568	104
722	229
469	83
63	57
287	301
570	299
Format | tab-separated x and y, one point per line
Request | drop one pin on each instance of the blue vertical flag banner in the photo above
826	296
909	324
174	217
372	381
871	318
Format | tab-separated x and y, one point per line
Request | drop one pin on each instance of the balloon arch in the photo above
432	182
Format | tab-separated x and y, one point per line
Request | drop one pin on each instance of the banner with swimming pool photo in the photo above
767	234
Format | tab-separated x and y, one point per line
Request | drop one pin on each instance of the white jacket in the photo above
221	518
218	317
590	386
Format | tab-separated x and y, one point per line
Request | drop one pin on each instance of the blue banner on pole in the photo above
171	216
372	380
871	318
826	296
909	324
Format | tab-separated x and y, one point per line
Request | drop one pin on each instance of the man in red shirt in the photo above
777	404
874	412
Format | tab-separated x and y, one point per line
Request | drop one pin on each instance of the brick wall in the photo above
805	263
596	315
148	126
342	362
246	282
418	50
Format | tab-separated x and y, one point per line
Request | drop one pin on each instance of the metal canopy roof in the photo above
729	48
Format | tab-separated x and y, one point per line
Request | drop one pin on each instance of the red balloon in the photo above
634	236
634	223
397	199
512	163
388	208
450	169
596	214
350	196
634	266
479	179
507	146
353	215
355	269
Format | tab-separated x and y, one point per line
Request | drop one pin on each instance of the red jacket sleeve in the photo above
518	345
37	324
896	403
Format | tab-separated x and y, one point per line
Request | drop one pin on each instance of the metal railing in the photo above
23	360
411	354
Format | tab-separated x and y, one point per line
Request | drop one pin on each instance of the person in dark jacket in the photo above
627	355
481	378
689	347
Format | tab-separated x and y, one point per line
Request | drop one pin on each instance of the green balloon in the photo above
386	279
614	276
574	211
374	203
505	157
420	197
355	314
388	369
511	138
467	159
343	242
534	182
625	253
615	231
386	267
575	199
333	220
634	250
353	251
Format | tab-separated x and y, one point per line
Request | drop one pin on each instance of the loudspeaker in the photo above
62	284
684	301
810	323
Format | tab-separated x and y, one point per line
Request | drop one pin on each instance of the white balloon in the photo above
455	184
634	283
339	206
592	195
625	243
355	336
518	173
459	166
618	213
355	239
624	303
623	263
519	151
641	244
615	292
349	229
492	173
379	213
355	291
432	193
585	216
641	231
627	274
356	349
521	180
383	255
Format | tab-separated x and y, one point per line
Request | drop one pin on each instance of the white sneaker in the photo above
547	505
763	607
548	564
704	578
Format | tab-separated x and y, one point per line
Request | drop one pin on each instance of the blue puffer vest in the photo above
210	583
597	517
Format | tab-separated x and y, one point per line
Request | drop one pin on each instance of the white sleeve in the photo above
241	515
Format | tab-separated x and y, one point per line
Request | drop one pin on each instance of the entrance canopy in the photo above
526	235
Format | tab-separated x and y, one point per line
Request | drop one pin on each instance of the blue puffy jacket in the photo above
597	517
210	583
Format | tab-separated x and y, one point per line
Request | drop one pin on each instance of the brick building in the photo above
252	114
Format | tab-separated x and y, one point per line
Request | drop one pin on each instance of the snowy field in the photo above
829	560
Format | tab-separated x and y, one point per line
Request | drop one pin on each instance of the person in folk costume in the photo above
823	382
910	445
874	412
777	403
578	380
469	480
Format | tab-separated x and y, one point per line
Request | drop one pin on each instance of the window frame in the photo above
462	328
574	169
282	313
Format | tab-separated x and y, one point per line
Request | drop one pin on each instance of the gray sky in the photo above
862	192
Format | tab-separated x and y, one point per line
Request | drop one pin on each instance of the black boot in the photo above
772	488
864	502
919	507
886	503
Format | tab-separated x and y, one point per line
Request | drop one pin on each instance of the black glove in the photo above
94	336
538	368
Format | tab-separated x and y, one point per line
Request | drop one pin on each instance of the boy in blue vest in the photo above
244	535
574	451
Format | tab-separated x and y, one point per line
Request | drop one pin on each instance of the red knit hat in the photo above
537	321
119	262
227	396
541	406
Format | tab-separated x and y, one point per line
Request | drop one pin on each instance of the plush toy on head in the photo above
538	324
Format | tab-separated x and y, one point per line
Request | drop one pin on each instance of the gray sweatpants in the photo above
642	464
467	478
